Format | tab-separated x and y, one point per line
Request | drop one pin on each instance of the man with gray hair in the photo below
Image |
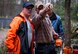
43	30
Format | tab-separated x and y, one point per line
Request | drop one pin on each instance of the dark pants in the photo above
45	49
26	52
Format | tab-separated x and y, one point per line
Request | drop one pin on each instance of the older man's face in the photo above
49	12
28	10
39	8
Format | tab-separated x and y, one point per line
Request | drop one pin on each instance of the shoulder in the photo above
58	17
17	19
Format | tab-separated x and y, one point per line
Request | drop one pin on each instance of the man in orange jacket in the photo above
20	35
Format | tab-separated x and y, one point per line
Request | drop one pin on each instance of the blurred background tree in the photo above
67	22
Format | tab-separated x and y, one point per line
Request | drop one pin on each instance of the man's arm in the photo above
11	34
39	17
55	35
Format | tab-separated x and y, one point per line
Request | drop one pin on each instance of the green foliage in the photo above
74	33
74	36
3	49
74	12
59	9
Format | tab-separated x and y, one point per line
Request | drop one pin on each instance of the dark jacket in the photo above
17	36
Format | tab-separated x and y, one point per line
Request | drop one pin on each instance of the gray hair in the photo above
38	4
49	4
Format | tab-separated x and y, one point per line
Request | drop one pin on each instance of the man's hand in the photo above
55	36
47	8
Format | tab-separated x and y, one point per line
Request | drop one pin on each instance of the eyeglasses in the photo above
30	7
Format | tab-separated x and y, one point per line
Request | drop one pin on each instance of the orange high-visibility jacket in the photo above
17	35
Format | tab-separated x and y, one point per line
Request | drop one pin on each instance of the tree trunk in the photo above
67	23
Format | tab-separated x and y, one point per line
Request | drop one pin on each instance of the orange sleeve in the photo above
11	34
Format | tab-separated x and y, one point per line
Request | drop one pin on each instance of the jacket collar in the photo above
53	16
24	16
